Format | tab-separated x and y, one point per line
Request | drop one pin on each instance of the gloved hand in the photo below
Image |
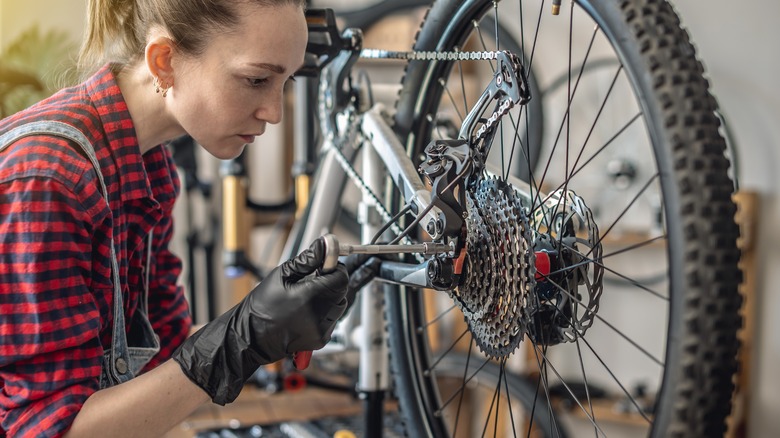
362	268
289	311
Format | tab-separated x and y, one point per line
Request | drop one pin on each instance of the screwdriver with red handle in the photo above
333	250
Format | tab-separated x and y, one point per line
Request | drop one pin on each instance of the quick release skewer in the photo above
333	250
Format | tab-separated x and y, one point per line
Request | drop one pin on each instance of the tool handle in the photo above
301	359
332	251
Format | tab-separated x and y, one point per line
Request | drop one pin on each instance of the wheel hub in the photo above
569	271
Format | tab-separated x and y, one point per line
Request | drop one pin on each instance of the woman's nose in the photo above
271	109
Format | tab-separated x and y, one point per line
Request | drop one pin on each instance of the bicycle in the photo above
531	257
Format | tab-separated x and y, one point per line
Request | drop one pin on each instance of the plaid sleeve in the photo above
169	311
50	351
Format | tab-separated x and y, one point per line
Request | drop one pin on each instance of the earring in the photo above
160	87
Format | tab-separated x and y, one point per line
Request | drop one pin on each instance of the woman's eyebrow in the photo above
273	67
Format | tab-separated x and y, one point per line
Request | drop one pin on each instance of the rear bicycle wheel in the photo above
630	206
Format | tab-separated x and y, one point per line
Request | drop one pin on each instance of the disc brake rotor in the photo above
566	298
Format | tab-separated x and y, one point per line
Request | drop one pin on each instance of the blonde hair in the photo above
117	29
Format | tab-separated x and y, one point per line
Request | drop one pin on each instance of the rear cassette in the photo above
499	268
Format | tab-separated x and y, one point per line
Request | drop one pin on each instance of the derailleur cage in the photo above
508	88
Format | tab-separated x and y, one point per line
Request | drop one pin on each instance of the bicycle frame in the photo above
383	154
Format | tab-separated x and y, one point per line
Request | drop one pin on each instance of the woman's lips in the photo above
248	138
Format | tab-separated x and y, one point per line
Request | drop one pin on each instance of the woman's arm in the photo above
146	406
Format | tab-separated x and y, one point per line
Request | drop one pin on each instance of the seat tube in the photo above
374	373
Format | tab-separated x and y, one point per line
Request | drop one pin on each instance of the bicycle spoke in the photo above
509	402
588	261
449	349
452	98
516	138
438	318
598	116
462	393
536	36
566	386
495	20
608	370
625	391
527	121
543	378
592	157
569	99
625	210
462	88
607	323
585	379
634	246
567	176
462	388
494	401
613	138
482	41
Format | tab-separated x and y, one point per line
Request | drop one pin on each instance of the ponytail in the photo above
117	29
110	35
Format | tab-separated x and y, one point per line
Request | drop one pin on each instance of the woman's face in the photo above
225	96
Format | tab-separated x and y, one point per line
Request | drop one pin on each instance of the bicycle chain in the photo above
429	55
449	56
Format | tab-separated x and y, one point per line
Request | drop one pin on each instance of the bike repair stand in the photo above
374	373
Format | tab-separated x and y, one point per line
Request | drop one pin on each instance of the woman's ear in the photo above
159	53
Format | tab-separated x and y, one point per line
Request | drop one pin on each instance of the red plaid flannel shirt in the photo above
55	271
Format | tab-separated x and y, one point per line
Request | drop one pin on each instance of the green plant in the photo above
34	66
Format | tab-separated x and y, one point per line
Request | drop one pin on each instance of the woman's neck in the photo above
154	124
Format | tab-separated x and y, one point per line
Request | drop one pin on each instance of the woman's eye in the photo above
256	82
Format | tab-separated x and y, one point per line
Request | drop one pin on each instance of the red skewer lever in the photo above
301	359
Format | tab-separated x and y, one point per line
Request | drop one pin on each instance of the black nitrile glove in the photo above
362	268
291	310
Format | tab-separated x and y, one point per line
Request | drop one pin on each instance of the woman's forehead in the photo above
273	36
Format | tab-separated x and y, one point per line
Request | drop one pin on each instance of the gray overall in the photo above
121	362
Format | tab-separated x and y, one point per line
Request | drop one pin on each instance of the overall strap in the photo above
59	129
118	365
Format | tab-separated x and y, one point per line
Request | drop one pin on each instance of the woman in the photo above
93	335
